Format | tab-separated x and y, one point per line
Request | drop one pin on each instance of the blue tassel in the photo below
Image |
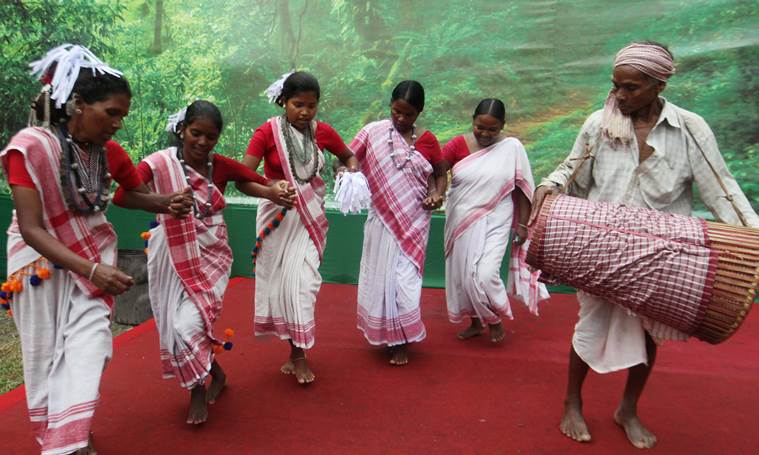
6	306
275	223
228	346
35	280
57	266
267	231
153	224
3	295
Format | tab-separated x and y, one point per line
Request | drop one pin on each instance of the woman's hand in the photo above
433	201
281	193
520	235
537	200
179	204
111	280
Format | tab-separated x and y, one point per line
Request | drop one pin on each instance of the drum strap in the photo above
722	185
587	155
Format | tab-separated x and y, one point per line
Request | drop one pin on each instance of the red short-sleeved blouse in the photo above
455	150
262	146
225	170
119	165
426	144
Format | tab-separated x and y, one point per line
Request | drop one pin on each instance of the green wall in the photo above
341	259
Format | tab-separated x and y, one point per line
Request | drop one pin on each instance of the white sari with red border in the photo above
189	262
395	237
478	228
287	265
63	323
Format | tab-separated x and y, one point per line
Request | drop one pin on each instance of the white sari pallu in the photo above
63	323
479	220
287	266
395	238
189	261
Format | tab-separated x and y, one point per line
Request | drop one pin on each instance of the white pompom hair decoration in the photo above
69	59
175	120
352	192
275	89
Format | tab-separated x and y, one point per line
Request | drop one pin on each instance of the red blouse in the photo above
262	146
455	150
119	165
426	144
225	170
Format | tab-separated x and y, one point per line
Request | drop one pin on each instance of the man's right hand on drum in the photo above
537	200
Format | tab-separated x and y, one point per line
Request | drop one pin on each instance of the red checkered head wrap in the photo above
650	59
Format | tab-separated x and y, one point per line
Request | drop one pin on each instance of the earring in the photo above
71	108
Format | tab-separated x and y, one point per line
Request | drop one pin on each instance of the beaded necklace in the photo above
408	154
195	203
300	153
81	177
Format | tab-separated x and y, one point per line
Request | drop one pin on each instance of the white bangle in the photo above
92	271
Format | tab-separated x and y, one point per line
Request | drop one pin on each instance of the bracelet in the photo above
92	271
523	226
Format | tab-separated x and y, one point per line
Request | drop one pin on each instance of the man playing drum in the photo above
641	151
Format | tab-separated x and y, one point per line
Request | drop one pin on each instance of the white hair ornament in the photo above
69	59
175	120
274	91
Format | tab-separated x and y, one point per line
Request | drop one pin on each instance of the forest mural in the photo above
549	61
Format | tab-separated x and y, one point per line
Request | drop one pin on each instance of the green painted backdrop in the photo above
549	61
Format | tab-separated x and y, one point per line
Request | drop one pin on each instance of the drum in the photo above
694	275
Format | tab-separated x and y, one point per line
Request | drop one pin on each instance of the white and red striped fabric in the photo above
397	193
480	182
310	195
87	236
198	266
656	264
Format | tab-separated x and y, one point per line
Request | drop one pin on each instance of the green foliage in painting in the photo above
549	62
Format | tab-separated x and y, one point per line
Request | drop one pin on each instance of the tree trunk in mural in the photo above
155	48
286	35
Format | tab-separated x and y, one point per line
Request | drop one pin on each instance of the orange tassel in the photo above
229	333
43	273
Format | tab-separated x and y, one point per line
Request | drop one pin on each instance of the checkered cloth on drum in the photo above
656	264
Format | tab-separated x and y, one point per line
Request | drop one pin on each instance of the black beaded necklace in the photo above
195	203
301	154
82	177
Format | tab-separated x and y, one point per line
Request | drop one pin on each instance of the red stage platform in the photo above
454	397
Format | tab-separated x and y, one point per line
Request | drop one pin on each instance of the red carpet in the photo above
454	397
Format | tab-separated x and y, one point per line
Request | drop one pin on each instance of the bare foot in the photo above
287	367
573	423
198	406
90	449
475	329
218	383
302	372
497	333
638	435
400	355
